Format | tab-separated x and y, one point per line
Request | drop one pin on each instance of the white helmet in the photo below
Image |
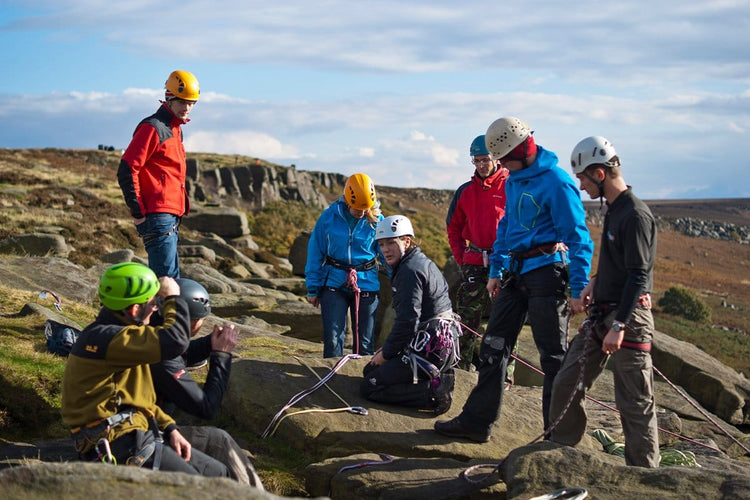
504	134
593	150
393	227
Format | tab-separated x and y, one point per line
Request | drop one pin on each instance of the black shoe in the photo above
456	428
443	403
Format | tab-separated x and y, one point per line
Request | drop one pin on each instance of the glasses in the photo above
481	161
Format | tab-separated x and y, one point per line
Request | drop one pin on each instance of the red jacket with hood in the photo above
473	215
152	169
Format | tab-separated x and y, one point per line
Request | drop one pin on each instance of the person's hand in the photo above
612	341
139	221
223	338
169	287
577	306
377	358
493	285
181	445
314	300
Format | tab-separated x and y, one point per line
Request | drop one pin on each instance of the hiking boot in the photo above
443	394
456	428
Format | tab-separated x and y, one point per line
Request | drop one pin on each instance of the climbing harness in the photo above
95	435
351	282
435	348
58	302
384	460
484	251
356	410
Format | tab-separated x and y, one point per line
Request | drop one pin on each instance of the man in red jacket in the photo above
152	174
472	220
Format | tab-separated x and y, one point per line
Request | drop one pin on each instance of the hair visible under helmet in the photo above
359	193
181	85
394	226
196	297
510	138
594	150
127	283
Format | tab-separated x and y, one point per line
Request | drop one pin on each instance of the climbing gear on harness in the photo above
276	420
182	85
90	435
58	302
125	284
359	192
545	249
566	493
484	251
435	348
338	264
60	337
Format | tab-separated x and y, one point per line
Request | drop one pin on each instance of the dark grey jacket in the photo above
420	293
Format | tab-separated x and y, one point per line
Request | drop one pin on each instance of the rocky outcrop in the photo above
90	480
36	244
255	185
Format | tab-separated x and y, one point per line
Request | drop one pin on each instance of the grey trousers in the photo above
219	445
634	389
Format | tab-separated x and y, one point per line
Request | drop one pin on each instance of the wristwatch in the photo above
618	326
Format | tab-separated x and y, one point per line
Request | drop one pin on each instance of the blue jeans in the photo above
159	233
333	307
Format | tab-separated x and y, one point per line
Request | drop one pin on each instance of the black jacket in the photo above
175	388
420	293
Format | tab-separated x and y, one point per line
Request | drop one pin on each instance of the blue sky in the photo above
395	89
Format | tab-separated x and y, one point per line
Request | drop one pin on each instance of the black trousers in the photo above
393	383
539	294
128	444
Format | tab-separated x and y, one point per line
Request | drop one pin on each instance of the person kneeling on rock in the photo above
175	388
108	397
415	365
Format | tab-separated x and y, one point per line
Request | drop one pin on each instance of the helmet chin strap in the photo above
599	185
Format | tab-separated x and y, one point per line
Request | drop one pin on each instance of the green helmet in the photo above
127	283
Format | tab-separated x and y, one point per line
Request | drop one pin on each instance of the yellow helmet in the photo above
359	192
183	85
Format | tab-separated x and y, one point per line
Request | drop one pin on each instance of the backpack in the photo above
60	337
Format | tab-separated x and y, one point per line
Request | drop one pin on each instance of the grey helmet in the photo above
196	296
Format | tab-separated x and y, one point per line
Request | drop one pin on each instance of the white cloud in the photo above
241	142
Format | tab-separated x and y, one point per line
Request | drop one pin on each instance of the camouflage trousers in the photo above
472	303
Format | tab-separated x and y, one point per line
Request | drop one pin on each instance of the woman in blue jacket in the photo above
341	273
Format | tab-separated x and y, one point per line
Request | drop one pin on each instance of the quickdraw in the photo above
357	410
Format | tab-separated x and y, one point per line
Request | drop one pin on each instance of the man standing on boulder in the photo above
152	174
619	322
544	227
474	212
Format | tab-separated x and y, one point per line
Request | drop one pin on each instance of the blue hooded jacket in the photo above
543	205
333	236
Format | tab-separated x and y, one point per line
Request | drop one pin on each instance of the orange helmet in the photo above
359	192
183	85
